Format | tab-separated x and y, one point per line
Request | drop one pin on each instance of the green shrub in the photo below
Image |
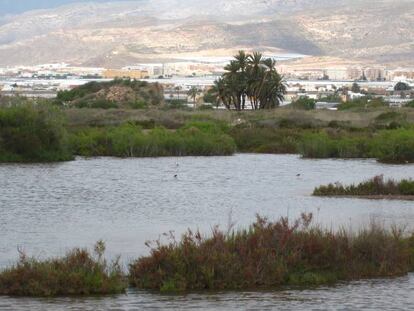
304	103
406	187
129	140
90	142
395	146
138	105
177	104
77	273
410	104
30	133
375	186
266	139
269	255
103	104
294	123
363	103
205	107
334	98
389	146
208	127
389	116
317	145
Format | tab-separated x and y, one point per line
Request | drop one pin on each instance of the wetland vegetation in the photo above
40	132
268	254
376	187
77	273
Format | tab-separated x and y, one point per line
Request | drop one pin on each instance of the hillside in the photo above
113	94
120	33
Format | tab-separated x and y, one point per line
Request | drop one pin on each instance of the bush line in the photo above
38	133
376	186
267	255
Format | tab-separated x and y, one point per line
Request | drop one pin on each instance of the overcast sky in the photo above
18	6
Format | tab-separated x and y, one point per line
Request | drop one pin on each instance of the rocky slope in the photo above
119	33
113	94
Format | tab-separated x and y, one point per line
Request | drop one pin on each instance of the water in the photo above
49	208
395	294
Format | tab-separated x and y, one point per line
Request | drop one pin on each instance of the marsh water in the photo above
46	209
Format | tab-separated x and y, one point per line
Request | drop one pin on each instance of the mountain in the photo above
114	34
8	7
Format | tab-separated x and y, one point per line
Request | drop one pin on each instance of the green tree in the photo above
250	76
355	88
193	92
222	93
178	90
234	80
33	133
410	104
402	86
212	96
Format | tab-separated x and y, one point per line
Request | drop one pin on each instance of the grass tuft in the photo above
77	273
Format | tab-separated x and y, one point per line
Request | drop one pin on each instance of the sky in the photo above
19	6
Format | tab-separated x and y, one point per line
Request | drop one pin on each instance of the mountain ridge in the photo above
120	33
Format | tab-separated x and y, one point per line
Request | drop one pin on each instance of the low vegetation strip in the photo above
77	273
272	254
129	140
267	255
387	146
376	187
38	132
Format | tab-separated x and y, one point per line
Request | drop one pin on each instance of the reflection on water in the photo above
382	294
47	209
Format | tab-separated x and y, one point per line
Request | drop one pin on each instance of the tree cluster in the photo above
252	81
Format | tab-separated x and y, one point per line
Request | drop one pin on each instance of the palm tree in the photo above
178	89
256	74
355	88
193	92
256	60
270	63
221	93
242	60
254	77
233	83
272	92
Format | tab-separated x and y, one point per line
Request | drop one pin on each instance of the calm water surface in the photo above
47	209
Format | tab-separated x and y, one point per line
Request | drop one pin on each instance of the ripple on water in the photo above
380	294
49	208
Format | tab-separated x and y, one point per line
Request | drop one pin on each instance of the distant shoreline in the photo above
372	197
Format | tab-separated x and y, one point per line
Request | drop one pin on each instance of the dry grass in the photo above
176	118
